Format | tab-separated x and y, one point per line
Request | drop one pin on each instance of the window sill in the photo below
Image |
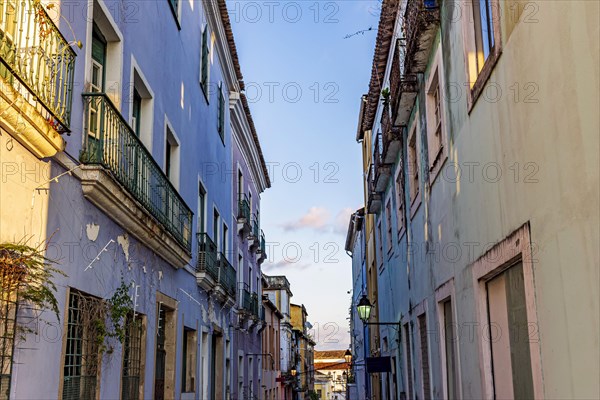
174	12
440	160
205	92
401	234
414	205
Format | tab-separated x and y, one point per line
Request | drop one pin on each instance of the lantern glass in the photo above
364	308
348	356
293	372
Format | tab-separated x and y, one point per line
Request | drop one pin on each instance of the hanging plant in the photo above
385	93
26	275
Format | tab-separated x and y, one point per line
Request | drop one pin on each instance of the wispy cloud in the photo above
319	219
340	224
285	264
315	218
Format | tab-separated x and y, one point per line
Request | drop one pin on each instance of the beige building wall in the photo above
24	196
545	142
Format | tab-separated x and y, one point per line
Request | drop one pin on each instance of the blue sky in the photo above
304	81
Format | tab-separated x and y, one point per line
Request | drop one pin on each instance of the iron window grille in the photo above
132	359
8	314
82	355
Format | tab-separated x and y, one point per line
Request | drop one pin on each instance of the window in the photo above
401	212
449	350
136	113
216	228
204	392
380	247
240	182
8	312
131	373
504	290
422	321
205	61
224	240
481	31
172	156
507	313
82	356
388	222
436	130
484	30
98	61
201	208
221	114
141	106
408	350
188	368
414	166
434	121
97	80
164	379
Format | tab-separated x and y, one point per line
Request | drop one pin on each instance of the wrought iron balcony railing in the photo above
263	244
254	304
255	227
35	53
244	207
208	256
390	136
245	299
382	170
421	18
111	143
403	87
227	275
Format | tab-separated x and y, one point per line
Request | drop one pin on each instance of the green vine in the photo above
26	275
120	306
109	319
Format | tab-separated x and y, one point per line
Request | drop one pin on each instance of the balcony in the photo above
122	178
36	76
383	171
225	290
373	197
254	305
421	21
262	249
207	268
254	237
391	137
245	299
403	87
243	216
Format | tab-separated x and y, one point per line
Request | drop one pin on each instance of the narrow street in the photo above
299	200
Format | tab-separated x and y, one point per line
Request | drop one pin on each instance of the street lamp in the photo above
348	356
364	307
293	371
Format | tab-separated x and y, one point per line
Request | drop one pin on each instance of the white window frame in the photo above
475	74
443	293
175	156
438	156
147	106
517	246
414	132
400	198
